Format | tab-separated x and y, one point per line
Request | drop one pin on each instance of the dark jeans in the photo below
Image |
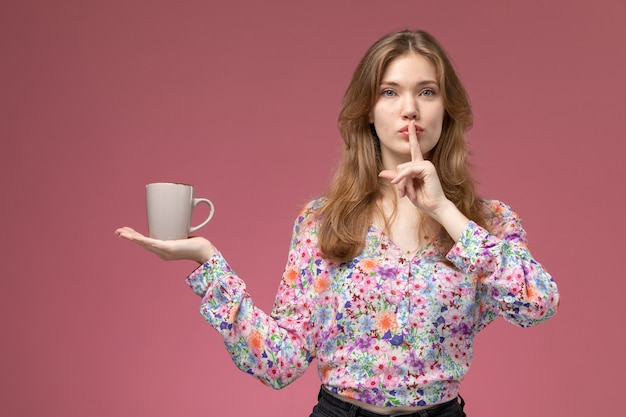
330	406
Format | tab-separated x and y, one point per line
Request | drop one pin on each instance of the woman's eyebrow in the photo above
419	84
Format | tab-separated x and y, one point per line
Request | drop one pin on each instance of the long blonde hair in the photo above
356	188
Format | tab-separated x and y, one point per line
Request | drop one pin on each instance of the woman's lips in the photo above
405	130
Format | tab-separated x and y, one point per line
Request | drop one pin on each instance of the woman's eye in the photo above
388	93
428	92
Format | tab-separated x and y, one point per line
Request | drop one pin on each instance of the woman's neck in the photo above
408	227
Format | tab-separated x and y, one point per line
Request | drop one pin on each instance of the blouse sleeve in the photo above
274	348
510	282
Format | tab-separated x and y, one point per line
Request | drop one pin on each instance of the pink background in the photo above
99	98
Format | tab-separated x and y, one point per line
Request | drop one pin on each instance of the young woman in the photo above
393	272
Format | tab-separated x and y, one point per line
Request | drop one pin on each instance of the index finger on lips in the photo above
416	152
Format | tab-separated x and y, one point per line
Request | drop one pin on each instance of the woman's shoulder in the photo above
307	215
311	207
307	223
315	204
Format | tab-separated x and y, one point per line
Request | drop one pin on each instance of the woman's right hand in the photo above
194	248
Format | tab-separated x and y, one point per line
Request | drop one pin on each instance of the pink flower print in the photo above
358	306
369	283
373	297
273	372
380	365
376	348
395	292
289	294
357	278
514	288
304	258
372	382
391	378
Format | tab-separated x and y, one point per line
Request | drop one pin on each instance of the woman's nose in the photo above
409	108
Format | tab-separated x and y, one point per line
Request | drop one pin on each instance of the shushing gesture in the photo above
417	180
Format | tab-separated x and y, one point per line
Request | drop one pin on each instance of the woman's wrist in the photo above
451	218
207	253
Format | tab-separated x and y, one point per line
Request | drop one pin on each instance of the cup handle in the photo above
197	201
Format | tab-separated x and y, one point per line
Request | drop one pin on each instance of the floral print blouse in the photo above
386	329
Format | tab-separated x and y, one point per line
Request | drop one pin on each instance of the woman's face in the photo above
408	90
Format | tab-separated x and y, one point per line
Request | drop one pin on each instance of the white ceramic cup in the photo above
169	207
